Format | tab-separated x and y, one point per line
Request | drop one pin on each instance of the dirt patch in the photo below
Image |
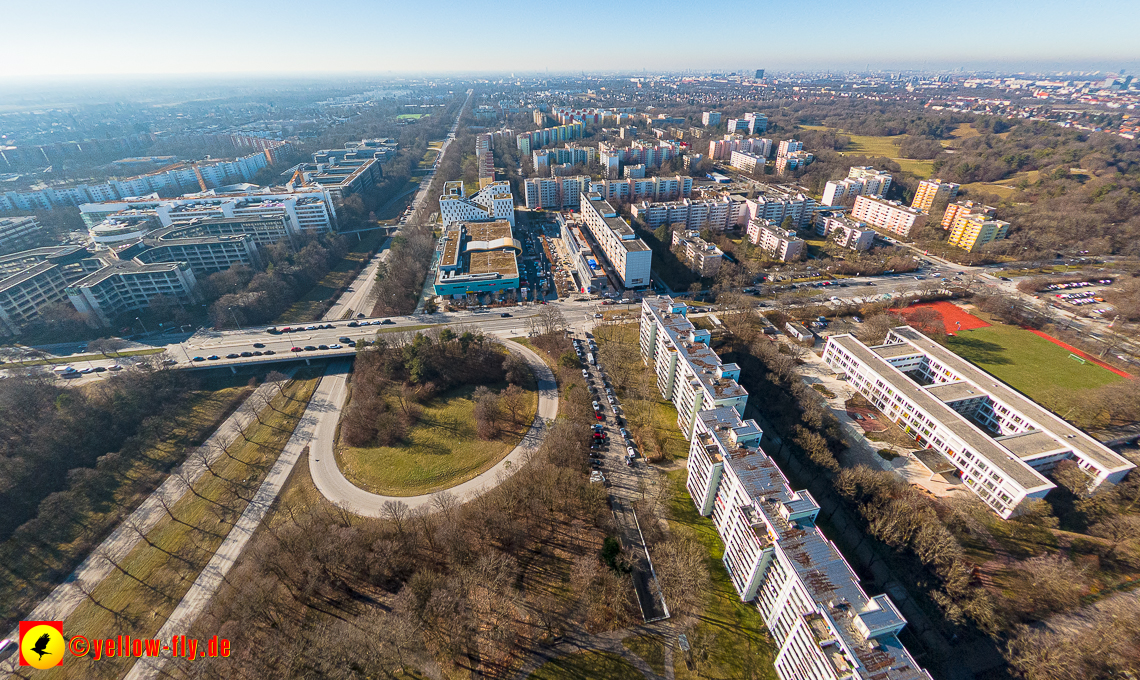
876	426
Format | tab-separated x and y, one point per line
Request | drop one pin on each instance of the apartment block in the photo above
590	274
492	202
710	118
789	146
931	191
751	123
648	188
34	279
128	285
204	254
572	154
999	442
824	625
693	213
703	258
875	182
528	141
843	231
780	244
17	233
627	255
796	160
746	162
974	231
633	172
485	159
554	193
773	203
722	149
889	216
689	373
962	210
343	178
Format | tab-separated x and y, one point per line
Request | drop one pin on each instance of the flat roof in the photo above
501	262
488	231
953	421
1073	437
1032	444
450	255
24	276
954	391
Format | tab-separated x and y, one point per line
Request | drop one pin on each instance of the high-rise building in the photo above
710	118
891	216
964	209
702	257
780	244
746	162
931	191
843	231
974	231
759	74
795	160
875	182
751	123
627	255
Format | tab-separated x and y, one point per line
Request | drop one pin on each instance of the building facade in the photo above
931	191
478	257
492	202
703	258
780	244
822	622
999	441
627	255
689	373
974	231
889	216
845	232
710	118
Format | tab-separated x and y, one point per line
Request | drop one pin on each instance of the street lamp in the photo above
143	325
234	314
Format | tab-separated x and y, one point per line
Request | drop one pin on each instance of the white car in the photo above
629	451
334	347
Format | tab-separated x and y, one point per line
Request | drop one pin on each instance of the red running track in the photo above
1079	353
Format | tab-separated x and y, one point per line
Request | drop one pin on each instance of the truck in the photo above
590	358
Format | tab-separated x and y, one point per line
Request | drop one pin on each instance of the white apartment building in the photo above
875	182
627	255
789	146
999	441
490	203
844	232
555	192
689	373
840	193
796	160
780	244
774	203
693	213
646	189
26	291
746	162
751	123
824	625
702	257
722	149
710	118
890	216
204	254
309	211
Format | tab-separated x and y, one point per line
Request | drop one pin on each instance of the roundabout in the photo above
334	486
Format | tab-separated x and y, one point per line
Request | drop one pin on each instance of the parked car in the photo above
213	357
234	355
310	348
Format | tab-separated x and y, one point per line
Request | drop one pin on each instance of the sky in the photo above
62	38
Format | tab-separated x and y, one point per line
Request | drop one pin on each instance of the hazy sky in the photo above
78	37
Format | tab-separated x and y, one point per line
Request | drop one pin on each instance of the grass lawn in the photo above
741	648
410	116
312	305
1028	363
438	452
868	145
588	666
152	579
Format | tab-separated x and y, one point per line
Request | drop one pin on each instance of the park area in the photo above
888	147
439	451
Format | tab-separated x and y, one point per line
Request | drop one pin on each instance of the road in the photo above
336	488
210	579
62	601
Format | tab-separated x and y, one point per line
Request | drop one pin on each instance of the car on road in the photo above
247	354
296	349
334	347
194	359
233	355
310	348
352	324
611	399
1005	278
504	315
387	322
345	339
269	352
87	371
322	347
213	357
259	345
165	362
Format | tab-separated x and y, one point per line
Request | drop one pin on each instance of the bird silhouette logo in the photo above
41	643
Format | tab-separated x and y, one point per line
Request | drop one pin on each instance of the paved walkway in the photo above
359	296
68	595
196	599
337	489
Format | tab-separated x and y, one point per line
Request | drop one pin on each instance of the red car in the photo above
295	349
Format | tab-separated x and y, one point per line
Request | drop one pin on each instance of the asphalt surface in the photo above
335	487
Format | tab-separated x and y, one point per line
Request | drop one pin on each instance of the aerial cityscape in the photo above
431	354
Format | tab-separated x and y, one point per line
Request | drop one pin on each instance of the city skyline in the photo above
444	37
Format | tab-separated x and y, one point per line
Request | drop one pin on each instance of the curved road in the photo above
335	486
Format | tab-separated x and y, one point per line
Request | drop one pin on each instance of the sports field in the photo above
954	317
1027	362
